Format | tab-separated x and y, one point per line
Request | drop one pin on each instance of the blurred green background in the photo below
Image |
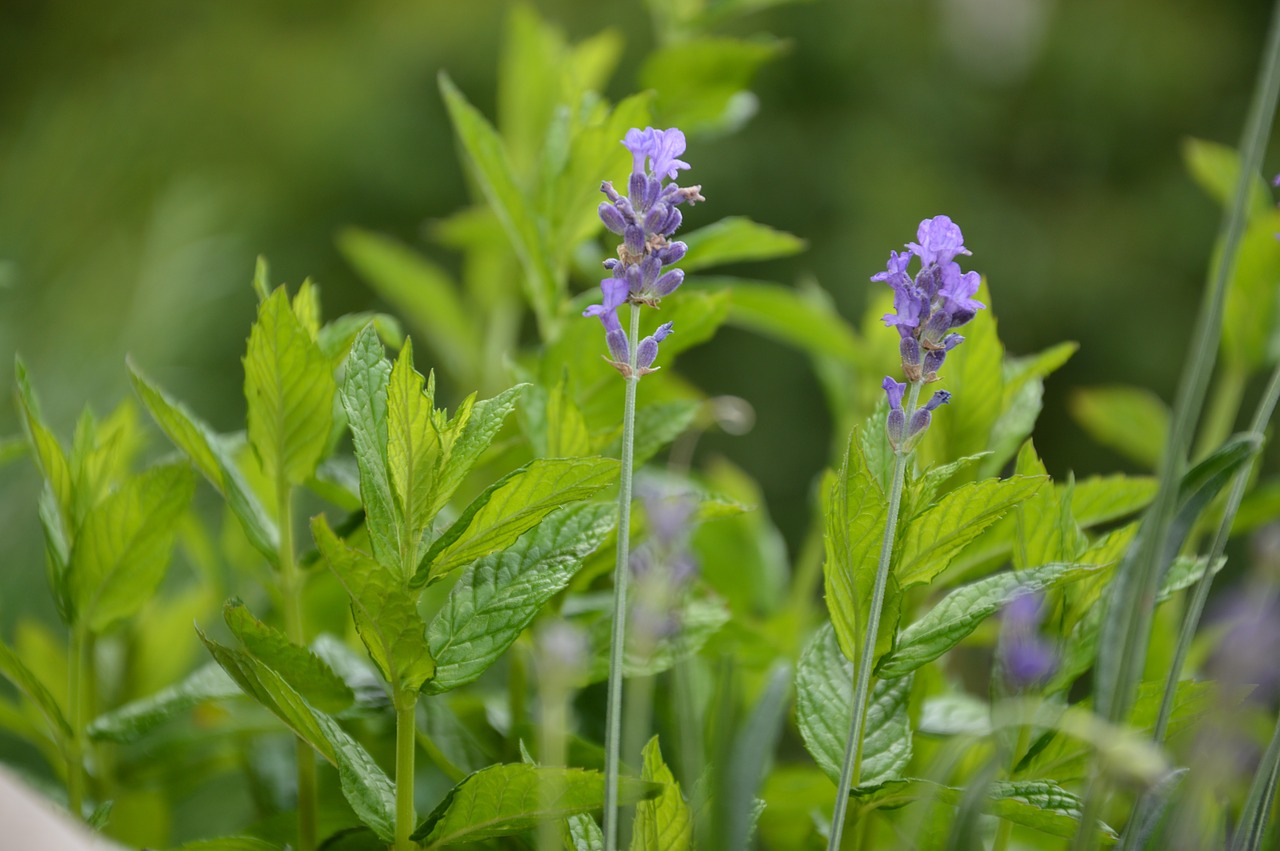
149	150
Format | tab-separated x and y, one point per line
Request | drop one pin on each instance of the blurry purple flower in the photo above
1026	658
1250	643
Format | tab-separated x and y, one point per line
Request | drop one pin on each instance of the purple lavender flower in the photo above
645	219
896	424
1026	659
664	564
926	307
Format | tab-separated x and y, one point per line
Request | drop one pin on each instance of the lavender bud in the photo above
672	223
672	252
634	236
617	342
932	363
647	352
910	350
637	188
668	283
896	426
612	218
656	216
921	419
938	325
612	194
650	267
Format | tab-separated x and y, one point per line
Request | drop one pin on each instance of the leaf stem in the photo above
406	727
291	599
621	573
852	766
75	707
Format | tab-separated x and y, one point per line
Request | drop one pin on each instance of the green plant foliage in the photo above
512	505
504	799
1132	421
305	672
663	823
133	721
735	240
500	594
824	694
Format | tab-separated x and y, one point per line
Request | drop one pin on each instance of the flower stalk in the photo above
291	599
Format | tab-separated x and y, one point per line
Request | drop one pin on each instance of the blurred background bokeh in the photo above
149	150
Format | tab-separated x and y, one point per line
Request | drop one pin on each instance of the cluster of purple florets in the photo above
1026	658
645	219
927	306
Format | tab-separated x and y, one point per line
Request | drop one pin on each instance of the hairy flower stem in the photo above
406	702
621	573
852	767
1191	620
291	599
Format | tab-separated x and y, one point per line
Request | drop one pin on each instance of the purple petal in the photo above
894	390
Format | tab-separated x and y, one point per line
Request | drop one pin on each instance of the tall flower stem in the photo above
621	573
291	598
852	766
406	702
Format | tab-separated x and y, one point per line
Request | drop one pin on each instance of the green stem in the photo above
75	706
1224	407
1004	830
621	572
406	729
1195	608
1253	818
852	766
291	600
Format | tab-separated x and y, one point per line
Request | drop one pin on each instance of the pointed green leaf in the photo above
1042	805
15	671
567	433
933	538
824	713
1046	530
364	397
305	672
207	452
421	291
122	551
1102	499
385	611
856	514
700	81
471	436
735	239
289	386
484	152
1249	315
366	788
959	613
131	722
1130	420
663	823
415	446
48	452
1216	168
504	799
498	596
512	505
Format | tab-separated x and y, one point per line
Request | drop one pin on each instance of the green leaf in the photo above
122	550
289	386
229	843
701	82
305	672
1102	499
504	799
933	537
567	434
700	616
1047	531
1249	315
498	596
856	513
422	292
470	440
581	833
131	722
512	505
30	686
1041	805
207	452
1216	168
663	823
364	398
735	239
805	318
365	786
494	175
385	611
824	713
959	613
48	452
1130	420
417	445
